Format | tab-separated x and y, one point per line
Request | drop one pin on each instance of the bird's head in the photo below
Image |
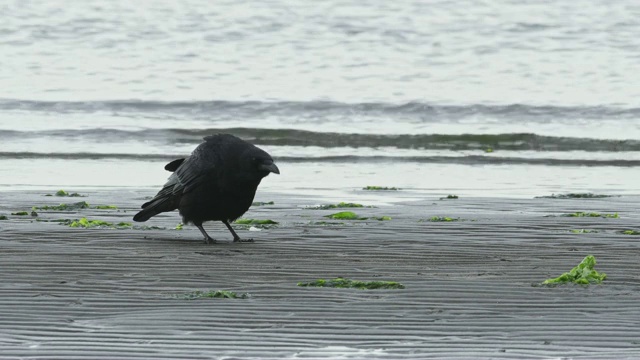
260	163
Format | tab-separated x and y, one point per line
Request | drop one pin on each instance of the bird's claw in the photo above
209	240
242	240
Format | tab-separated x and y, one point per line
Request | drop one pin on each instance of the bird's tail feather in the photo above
153	208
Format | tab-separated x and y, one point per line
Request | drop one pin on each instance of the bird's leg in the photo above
207	239
236	238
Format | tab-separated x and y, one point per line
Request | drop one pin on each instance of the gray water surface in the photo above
337	83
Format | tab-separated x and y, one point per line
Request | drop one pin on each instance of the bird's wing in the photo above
201	166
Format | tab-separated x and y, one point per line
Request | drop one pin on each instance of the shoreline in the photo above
102	293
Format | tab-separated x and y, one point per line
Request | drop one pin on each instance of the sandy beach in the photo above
119	293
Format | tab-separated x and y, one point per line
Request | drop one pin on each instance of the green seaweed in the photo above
20	213
575	196
340	205
345	215
380	188
259	203
63	207
583	231
3	217
222	294
64	193
442	219
179	226
383	218
630	232
488	150
106	207
85	223
255	222
355	284
591	214
583	274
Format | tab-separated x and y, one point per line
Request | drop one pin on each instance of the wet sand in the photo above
106	293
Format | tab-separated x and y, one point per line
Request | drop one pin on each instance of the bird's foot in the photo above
242	240
209	240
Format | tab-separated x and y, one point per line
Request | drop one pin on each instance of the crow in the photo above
216	182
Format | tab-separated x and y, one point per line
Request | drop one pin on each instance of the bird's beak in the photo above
270	168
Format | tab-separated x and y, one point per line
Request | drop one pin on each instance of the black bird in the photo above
217	182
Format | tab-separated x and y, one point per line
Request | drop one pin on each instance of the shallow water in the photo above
99	93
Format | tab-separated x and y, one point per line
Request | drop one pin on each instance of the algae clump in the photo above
106	207
355	284
345	215
583	231
20	213
63	207
64	193
442	219
380	188
223	294
583	274
630	232
591	214
179	226
3	217
85	223
340	205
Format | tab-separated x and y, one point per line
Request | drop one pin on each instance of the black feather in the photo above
173	166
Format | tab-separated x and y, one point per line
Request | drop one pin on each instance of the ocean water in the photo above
478	98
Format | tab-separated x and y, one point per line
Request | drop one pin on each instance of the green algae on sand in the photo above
345	215
442	219
3	217
630	232
63	207
591	214
340	205
64	193
256	223
350	215
20	213
583	231
354	284
380	188
222	294
86	223
106	207
179	226
383	218
583	274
